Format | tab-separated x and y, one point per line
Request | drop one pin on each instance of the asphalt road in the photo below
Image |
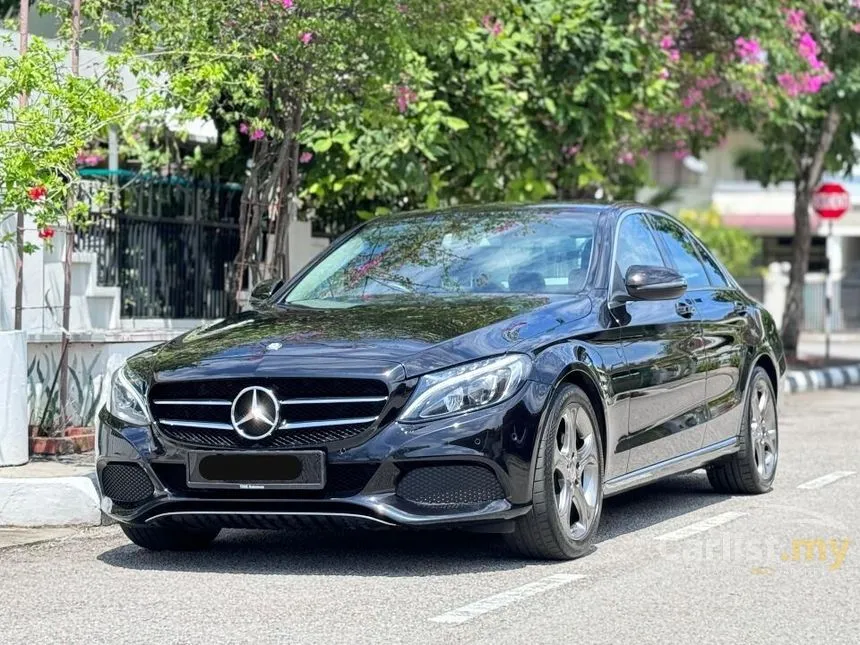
675	563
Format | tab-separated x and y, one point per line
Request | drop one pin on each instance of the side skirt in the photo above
681	463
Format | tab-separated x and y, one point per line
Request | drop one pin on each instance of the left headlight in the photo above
127	400
467	387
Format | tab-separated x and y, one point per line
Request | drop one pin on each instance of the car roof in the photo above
589	207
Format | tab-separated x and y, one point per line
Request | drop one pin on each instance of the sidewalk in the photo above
50	492
842	346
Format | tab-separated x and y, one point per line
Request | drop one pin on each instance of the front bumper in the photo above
500	439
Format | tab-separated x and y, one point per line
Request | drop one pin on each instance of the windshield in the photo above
453	254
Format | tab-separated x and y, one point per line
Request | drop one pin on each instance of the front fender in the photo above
590	365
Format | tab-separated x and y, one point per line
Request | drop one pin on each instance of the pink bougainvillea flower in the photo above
664	73
405	97
682	120
243	128
856	27
807	47
787	81
627	158
674	55
257	134
306	157
795	19
493	25
46	233
749	51
307	37
667	42
693	96
37	193
288	4
811	83
571	151
681	153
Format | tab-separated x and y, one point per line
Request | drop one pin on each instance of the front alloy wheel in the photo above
576	473
568	482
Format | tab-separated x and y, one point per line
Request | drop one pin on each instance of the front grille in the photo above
126	484
449	486
313	411
342	480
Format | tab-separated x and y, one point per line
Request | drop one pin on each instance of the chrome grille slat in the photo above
208	425
286	425
192	402
347	399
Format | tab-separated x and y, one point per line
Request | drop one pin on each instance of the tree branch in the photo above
825	141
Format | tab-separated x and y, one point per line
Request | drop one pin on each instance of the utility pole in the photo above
23	37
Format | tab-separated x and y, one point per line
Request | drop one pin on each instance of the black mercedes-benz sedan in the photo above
498	369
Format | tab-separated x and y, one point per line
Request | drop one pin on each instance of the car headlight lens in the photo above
467	387
127	400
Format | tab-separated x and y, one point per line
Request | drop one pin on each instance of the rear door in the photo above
725	315
660	340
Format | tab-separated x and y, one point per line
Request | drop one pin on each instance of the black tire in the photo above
740	473
170	538
540	533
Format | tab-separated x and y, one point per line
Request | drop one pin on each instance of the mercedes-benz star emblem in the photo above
255	413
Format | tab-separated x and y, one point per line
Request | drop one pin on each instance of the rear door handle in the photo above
685	309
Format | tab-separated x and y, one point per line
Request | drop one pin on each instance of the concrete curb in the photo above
49	501
829	377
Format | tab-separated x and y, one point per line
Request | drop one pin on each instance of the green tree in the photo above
264	70
559	98
808	59
40	142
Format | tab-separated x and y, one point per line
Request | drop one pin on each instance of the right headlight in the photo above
127	400
467	387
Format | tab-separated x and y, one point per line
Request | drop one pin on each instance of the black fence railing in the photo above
167	242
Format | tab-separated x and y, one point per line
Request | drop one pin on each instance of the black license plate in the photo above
257	471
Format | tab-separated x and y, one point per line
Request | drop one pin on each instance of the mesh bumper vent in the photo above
446	486
126	483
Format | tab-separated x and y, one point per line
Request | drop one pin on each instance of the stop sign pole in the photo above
830	201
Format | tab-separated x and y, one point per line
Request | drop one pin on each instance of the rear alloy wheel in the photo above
568	486
170	538
753	468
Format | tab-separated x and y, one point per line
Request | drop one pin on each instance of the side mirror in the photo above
654	283
263	291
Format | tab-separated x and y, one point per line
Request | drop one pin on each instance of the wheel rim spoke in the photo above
762	401
759	457
564	501
583	510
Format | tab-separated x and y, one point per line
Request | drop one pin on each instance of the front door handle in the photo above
685	309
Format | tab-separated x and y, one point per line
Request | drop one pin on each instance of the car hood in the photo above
392	337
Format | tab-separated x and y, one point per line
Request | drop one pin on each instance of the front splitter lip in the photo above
374	508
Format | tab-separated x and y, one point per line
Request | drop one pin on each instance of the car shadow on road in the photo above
661	501
405	553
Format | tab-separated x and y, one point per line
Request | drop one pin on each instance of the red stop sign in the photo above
831	201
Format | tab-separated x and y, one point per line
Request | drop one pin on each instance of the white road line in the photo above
700	527
510	597
824	480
